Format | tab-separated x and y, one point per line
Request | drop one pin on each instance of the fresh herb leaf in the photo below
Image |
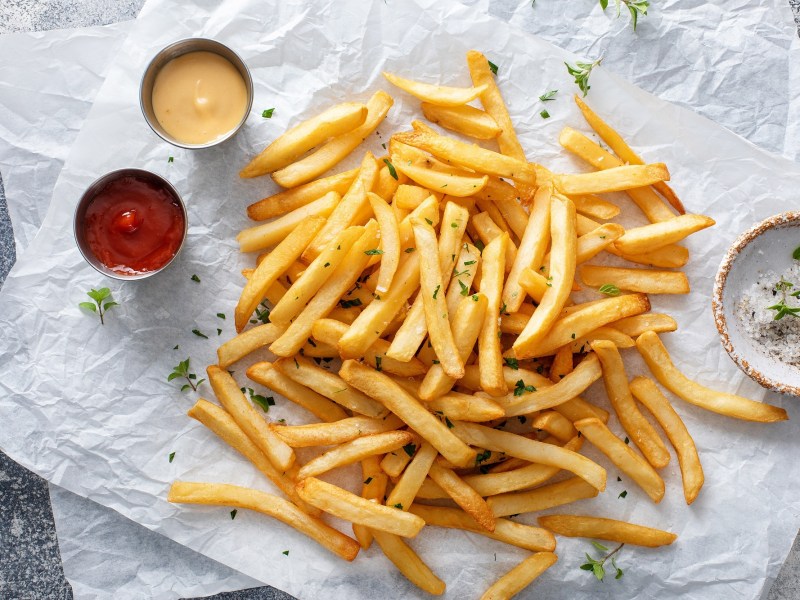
544	114
399	505
796	253
285	553
267	114
221	316
410	449
349	303
581	72
391	168
548	96
464	288
234	512
492	66
520	388
623	494
373	252
182	371
199	333
482	456
597	565
99	307
609	289
436	291
378	360
512	362
448	422
195	278
171	456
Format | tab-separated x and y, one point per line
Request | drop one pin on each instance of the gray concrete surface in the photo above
30	563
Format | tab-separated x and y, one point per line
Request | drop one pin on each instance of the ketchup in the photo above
134	225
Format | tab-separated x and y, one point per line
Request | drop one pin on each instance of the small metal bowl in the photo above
767	246
92	191
175	50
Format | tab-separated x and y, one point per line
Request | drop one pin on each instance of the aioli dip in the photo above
199	97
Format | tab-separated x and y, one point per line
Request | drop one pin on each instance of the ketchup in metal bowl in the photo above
131	222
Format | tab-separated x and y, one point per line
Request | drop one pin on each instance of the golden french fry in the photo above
394	463
508	201
455	182
632	420
435	94
289	200
326	299
646	281
583	344
314	277
490	352
579	323
493	103
388	181
373	488
316	404
405	490
562	365
463	495
523	402
409	563
390	242
337	432
346	505
409	409
535	285
510	532
301	138
651	397
647	238
623	456
636	326
464	273
533	451
660	364
220	494
615	179
409	197
488	230
555	424
520	577
464	119
541	498
465	407
595	207
332	152
272	267
578	408
428	210
252	423
355	451
594	242
246	342
607	529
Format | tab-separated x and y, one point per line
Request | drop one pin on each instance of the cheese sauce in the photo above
199	97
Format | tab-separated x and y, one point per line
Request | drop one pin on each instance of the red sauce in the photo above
134	226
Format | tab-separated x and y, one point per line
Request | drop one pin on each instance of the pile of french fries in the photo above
442	277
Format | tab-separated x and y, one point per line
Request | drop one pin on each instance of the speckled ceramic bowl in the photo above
767	246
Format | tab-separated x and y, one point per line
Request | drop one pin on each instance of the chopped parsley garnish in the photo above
548	96
520	388
492	66
512	362
267	114
391	168
609	289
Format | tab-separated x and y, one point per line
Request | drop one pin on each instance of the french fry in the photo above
535	285
660	364
272	267
465	407
289	200
437	319
555	424
455	182
651	397
409	196
582	322
615	179
346	505
373	488
464	273
520	577
578	408
314	277
632	420
337	432
220	494
387	181
587	372
647	238
562	365
595	207
270	234
405	490
317	404
330	385
332	152
583	344
646	281
562	272
619	453
355	451
394	463
463	495
548	496
428	210
246	342
533	451
252	423
464	119
301	138
439	95
606	529
390	242
594	242
636	326
507	199
488	230
409	563
341	280
409	409
490	352
467	324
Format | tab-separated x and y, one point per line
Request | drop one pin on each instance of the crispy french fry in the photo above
301	138
464	119
555	424
623	456
332	152
355	451
595	207
647	238
490	352
409	196
632	420
542	498
615	179
439	95
409	409
465	407
388	181
413	476
455	182
651	397
464	273
583	344
607	529
660	364
246	342
535	285
520	577
636	326
463	495
337	432
394	463
488	230
409	563
289	200
594	242
390	242
646	281
373	488
533	451
562	365
346	505
507	199
220	494
273	267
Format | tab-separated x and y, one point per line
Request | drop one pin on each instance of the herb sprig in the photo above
99	306
597	565
182	370
581	72
635	8
781	308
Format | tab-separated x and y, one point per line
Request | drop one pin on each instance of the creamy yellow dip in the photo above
198	97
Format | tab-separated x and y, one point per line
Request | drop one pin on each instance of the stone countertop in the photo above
31	563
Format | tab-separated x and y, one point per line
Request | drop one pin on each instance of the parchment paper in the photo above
455	66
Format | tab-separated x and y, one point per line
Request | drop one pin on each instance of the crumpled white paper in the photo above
96	455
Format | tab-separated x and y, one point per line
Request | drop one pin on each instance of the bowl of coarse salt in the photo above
756	302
